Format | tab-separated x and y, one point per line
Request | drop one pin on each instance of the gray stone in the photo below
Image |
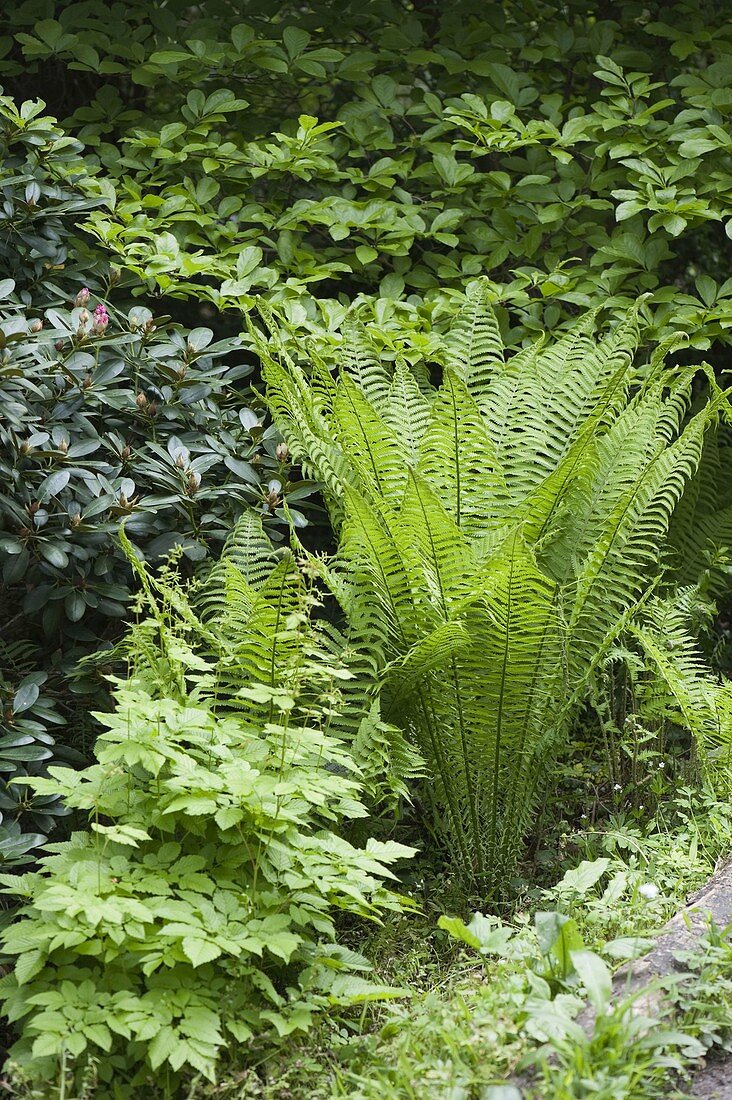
682	933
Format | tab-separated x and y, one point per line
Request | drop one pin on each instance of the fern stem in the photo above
445	778
469	786
499	716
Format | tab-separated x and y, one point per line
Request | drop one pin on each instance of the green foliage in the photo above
46	191
322	153
705	1001
25	746
136	419
682	688
498	533
629	1055
125	416
529	547
476	1015
199	910
701	531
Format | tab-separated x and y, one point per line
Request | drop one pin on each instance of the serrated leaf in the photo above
199	950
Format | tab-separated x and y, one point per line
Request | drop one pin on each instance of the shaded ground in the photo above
714	1082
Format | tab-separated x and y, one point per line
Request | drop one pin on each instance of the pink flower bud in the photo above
101	320
82	297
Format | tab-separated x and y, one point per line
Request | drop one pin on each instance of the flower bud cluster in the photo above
100	320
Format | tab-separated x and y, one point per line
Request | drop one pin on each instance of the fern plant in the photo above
498	531
681	688
701	528
200	908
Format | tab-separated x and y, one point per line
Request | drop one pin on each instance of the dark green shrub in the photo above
132	419
104	420
26	745
103	416
46	190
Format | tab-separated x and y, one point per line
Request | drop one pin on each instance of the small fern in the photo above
685	690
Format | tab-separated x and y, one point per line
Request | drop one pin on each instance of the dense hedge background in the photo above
326	151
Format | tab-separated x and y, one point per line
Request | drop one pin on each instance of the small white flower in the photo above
648	890
662	764
617	787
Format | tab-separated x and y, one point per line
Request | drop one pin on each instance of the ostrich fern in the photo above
692	696
701	528
497	533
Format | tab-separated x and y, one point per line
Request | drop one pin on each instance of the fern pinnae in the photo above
367	441
701	527
556	361
364	366
474	347
458	461
402	675
469	777
571	461
407	411
662	481
383	558
540	679
702	701
427	710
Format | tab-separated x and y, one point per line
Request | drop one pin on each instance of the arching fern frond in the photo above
457	458
363	364
474	348
250	551
701	528
407	412
372	449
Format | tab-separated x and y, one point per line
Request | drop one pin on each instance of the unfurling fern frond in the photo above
498	531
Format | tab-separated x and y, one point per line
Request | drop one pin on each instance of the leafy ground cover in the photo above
474	1013
365	546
